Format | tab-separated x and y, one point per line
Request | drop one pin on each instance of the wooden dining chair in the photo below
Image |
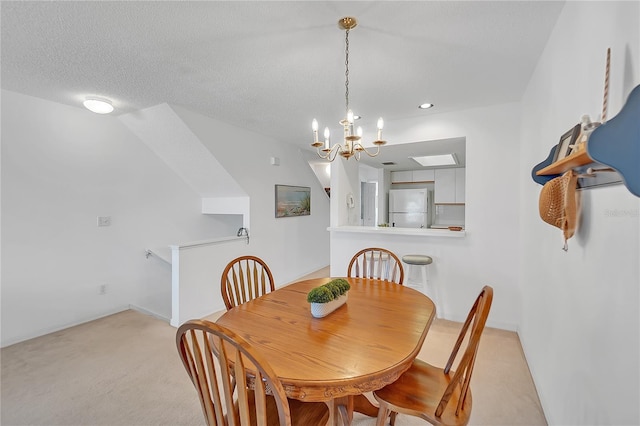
235	383
378	263
439	396
244	279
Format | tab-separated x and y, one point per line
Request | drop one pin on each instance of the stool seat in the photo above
421	261
417	259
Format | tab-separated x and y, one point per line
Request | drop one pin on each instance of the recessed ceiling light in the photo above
436	160
98	105
425	106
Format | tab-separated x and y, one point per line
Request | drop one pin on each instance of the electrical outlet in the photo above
103	289
104	220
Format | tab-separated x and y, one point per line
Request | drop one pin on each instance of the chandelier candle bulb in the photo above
359	133
326	138
314	127
350	119
380	126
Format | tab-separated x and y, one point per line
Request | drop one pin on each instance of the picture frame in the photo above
292	200
566	143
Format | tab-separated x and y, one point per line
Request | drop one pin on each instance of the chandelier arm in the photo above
335	153
321	155
330	154
358	147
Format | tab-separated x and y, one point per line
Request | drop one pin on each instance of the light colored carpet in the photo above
124	370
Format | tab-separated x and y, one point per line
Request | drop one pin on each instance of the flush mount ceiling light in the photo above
98	105
425	106
436	160
351	146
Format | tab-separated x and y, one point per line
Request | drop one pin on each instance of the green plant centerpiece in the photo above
328	297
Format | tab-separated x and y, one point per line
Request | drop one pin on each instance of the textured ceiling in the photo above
271	67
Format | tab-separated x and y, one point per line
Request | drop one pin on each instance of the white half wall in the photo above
580	323
196	273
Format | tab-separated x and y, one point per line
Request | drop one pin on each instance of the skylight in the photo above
436	160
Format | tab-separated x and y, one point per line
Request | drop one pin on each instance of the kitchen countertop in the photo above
419	232
443	226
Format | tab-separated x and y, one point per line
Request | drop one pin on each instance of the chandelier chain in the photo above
346	72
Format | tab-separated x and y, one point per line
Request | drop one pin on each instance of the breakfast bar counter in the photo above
382	230
451	254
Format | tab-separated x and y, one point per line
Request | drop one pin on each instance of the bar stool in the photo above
422	261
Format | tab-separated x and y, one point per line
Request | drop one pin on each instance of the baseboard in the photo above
541	398
49	330
150	313
46	331
491	324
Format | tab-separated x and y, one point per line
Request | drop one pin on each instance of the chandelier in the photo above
351	146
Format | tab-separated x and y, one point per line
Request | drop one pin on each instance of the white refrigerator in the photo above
410	208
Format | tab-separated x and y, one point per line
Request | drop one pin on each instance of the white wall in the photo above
171	140
489	253
64	166
323	173
61	168
291	246
579	321
345	182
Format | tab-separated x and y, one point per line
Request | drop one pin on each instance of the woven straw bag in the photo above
560	204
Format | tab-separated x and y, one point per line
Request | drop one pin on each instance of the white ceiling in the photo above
271	67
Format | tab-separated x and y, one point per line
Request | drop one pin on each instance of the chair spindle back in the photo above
244	279
222	364
377	263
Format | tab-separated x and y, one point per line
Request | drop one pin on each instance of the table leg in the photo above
341	409
363	405
332	413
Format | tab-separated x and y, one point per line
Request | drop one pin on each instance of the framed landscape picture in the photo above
293	200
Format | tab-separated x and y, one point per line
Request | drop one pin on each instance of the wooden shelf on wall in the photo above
609	157
569	162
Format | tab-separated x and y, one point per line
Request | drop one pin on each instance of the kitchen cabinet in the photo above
403	176
424	175
412	176
449	186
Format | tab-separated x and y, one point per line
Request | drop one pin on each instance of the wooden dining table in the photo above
362	346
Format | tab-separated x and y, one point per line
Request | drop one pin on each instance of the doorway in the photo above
369	203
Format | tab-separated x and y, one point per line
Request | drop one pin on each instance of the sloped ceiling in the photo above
271	67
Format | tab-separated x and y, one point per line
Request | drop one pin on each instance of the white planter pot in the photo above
319	310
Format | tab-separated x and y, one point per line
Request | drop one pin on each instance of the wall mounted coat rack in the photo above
612	153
